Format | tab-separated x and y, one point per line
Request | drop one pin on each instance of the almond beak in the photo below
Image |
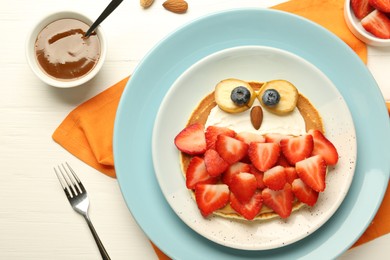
256	116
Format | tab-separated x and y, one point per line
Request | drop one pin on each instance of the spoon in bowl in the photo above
111	7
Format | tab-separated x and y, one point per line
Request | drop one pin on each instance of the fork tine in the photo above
64	183
74	179
60	179
73	172
70	181
79	183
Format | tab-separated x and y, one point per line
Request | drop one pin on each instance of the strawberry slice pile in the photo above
374	16
249	172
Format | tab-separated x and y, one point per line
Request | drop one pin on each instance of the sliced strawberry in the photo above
250	209
249	137
378	24
312	171
291	174
211	197
230	149
361	8
297	148
275	178
259	176
275	138
381	5
324	147
215	165
304	193
191	140
263	155
243	185
234	169
282	161
279	201
212	133
196	173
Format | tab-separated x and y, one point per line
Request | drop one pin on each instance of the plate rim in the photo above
249	12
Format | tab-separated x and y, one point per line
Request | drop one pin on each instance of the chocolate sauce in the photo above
64	53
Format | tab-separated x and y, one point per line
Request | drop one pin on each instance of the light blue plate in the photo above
176	53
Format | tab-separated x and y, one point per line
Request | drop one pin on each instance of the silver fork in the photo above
78	198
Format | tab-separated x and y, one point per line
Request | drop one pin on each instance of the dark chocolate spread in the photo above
64	53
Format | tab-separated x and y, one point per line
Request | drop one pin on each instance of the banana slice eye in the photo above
234	95
288	96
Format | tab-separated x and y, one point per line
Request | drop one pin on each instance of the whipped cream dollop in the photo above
289	124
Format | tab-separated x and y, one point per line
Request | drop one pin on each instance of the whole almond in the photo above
146	3
256	116
176	6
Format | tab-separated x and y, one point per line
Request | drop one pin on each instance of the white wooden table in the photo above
36	221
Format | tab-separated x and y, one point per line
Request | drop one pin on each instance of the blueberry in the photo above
271	97
240	95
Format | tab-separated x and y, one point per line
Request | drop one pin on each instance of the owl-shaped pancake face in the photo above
246	135
259	108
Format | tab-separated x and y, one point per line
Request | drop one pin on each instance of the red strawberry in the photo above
243	185
381	5
291	174
250	209
196	173
279	201
297	148
324	147
304	193
191	140
249	137
275	178
259	176
275	138
234	169
212	133
263	155
211	197
361	8
312	171
378	24
215	165
282	161
230	149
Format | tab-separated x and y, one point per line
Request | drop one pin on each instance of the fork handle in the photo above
99	243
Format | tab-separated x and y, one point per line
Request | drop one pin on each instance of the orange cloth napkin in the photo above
388	106
329	14
87	131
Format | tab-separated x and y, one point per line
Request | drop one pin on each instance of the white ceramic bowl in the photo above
31	57
357	29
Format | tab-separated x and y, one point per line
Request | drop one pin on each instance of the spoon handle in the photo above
111	7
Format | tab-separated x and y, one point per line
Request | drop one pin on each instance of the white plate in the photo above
252	63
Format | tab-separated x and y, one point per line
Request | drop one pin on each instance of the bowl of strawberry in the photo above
369	20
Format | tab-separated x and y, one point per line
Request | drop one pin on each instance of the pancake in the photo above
200	114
